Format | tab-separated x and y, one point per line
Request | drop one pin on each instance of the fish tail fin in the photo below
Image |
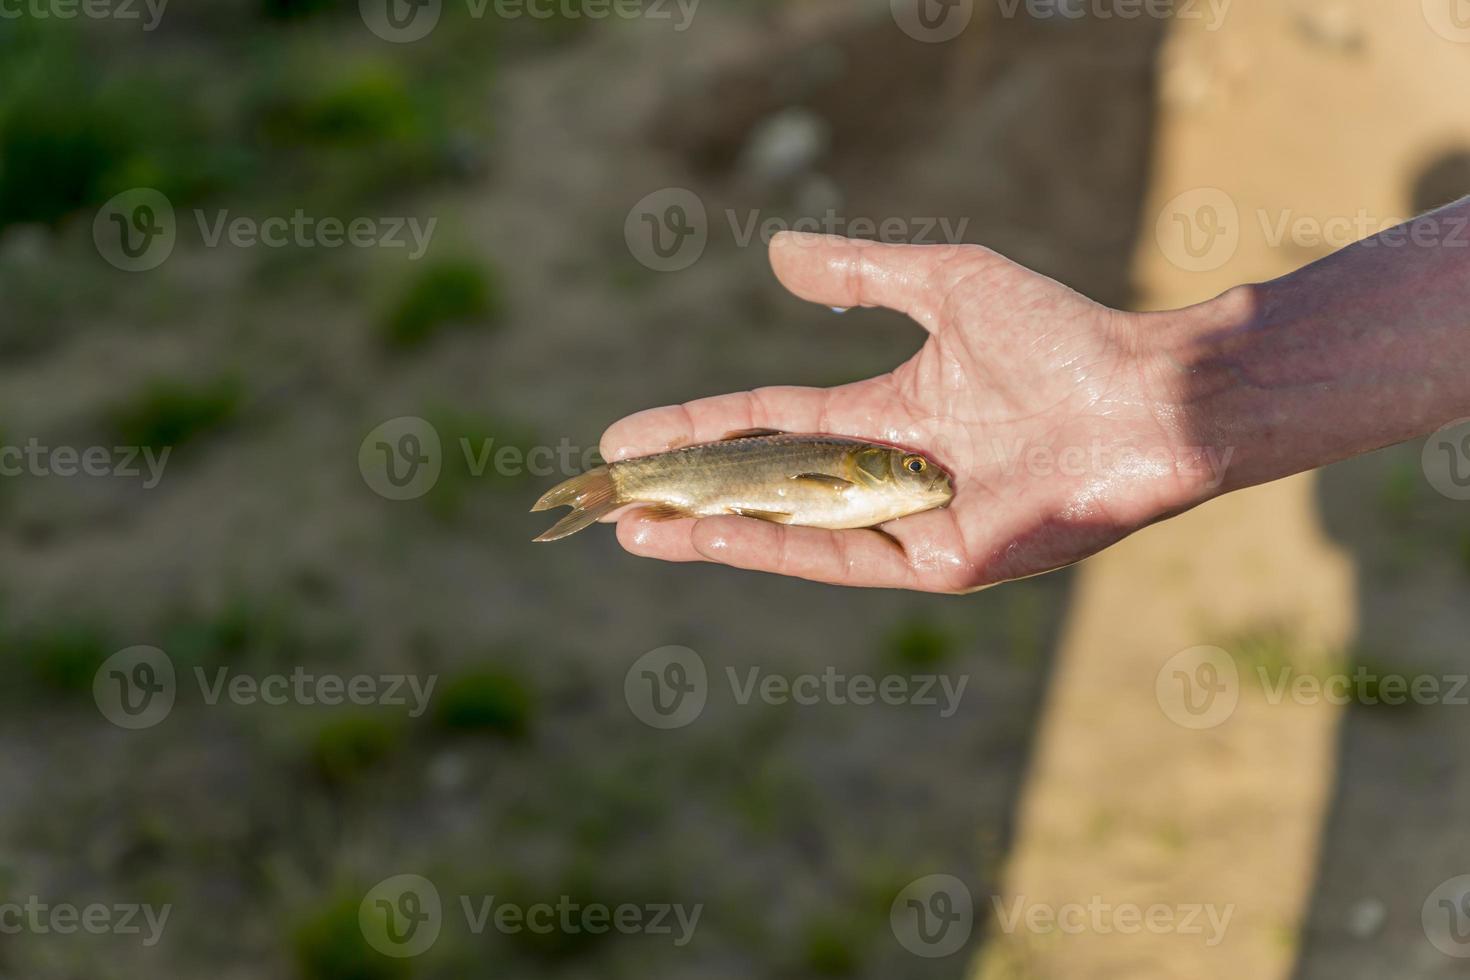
592	495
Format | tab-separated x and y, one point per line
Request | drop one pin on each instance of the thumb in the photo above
846	272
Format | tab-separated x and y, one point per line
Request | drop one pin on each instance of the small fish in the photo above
812	480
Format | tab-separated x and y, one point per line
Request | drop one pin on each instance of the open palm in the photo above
1036	399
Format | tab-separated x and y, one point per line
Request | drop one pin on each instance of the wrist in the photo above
1195	362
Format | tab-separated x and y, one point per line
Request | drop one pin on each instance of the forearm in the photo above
1364	349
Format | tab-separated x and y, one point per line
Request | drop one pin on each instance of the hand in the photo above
1051	419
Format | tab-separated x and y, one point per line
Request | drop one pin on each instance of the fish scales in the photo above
815	480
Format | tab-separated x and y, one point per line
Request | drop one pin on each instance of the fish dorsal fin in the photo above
824	480
750	434
773	516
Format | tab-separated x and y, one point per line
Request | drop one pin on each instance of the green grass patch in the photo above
170	413
1374	683
262	630
493	701
68	141
581	880
63	657
370	104
831	944
353	745
329	945
918	643
441	295
1400	492
1025	623
1269	648
480	454
288	10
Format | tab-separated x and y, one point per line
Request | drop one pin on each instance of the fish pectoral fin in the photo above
749	434
662	512
824	480
773	516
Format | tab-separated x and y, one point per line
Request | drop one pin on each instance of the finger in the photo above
655	430
859	558
664	540
844	272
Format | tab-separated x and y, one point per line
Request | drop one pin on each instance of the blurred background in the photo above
306	301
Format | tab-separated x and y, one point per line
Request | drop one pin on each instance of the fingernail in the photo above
840	309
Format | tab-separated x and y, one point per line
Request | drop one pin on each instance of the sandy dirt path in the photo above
1287	132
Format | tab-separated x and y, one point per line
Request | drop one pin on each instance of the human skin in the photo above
1068	425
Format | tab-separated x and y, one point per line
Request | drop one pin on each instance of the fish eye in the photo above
915	464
